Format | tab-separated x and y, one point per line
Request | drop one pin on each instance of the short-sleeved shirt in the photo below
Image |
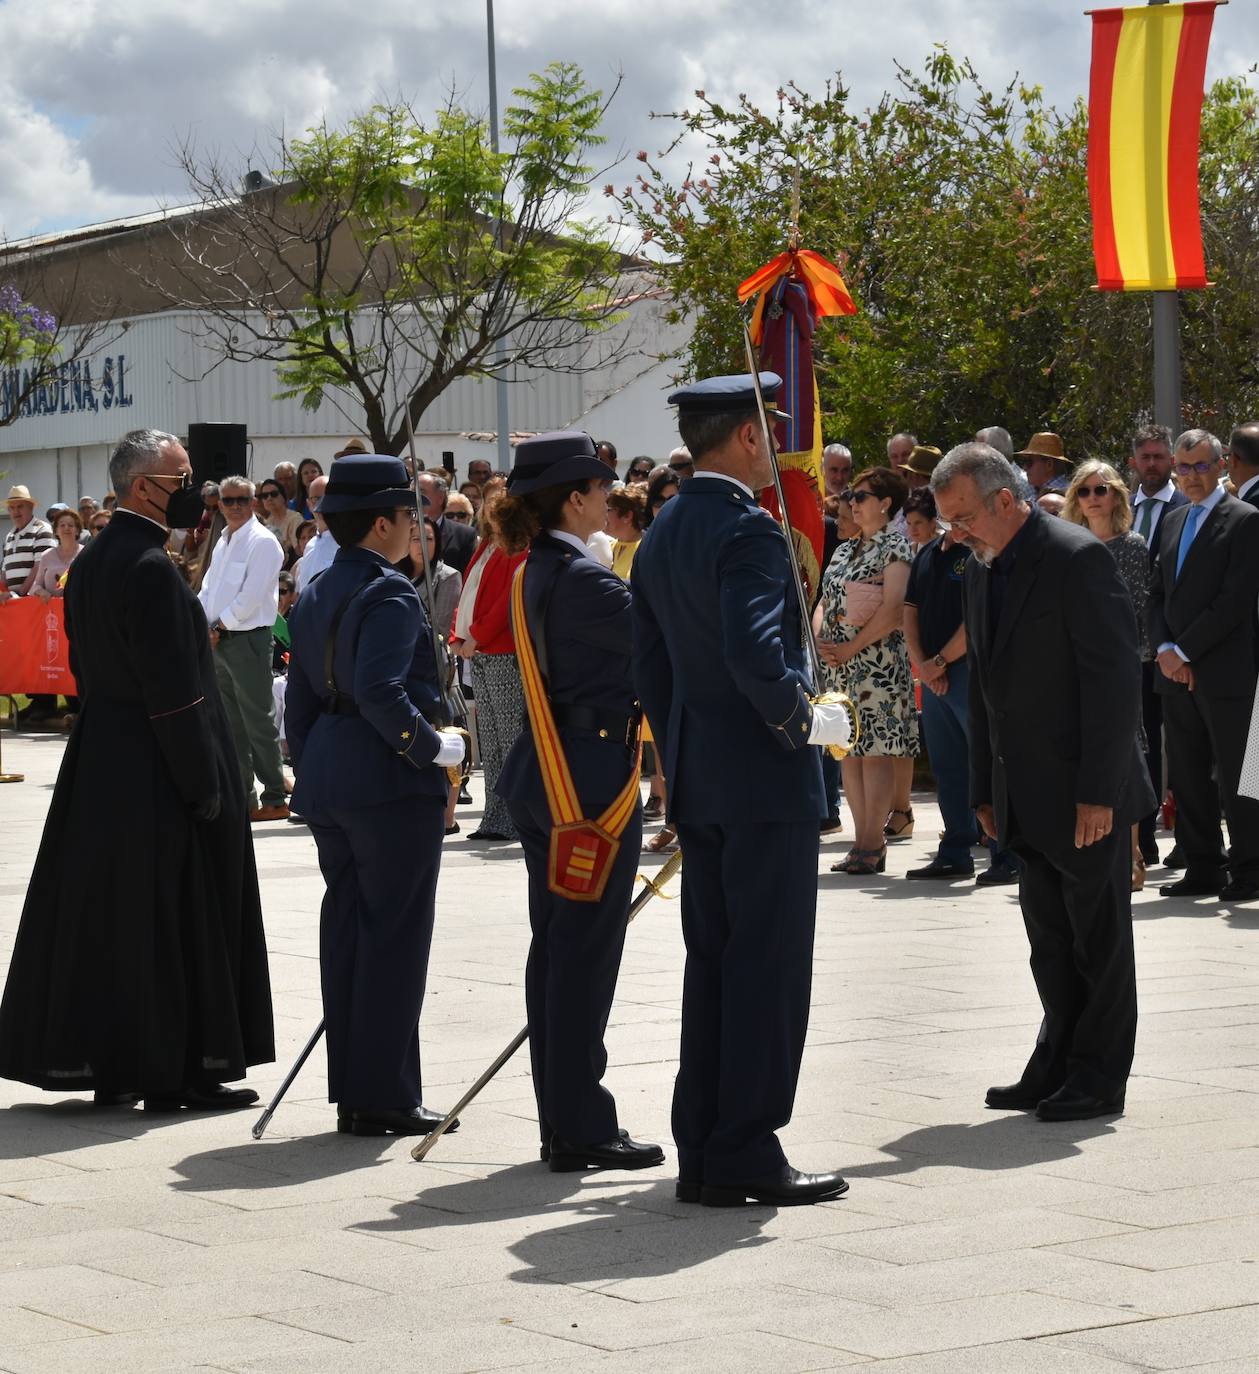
935	592
22	549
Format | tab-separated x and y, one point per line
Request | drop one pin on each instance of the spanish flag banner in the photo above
1145	107
792	293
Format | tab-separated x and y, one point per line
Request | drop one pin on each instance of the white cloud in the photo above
94	96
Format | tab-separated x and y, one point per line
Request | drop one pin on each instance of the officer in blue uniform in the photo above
372	784
722	675
578	616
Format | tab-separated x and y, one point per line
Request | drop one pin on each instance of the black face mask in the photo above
184	508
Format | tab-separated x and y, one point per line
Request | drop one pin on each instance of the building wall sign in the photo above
86	384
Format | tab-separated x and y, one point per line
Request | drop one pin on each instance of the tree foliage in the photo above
959	217
395	256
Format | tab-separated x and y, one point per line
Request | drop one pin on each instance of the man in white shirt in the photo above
322	549
240	597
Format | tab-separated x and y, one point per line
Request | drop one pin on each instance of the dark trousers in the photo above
1077	908
945	725
570	980
832	781
242	665
380	864
1152	719
749	899
1204	733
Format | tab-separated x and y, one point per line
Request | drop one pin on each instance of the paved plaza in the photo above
971	1241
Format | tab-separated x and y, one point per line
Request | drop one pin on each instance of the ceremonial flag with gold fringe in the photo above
793	292
1145	109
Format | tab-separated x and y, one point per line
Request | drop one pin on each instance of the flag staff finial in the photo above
793	234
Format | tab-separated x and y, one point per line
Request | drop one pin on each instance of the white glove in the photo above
450	751
831	724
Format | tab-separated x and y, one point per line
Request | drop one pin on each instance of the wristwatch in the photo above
940	661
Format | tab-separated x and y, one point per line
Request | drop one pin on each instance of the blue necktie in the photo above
1186	536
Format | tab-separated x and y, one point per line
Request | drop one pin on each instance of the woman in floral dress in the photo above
858	623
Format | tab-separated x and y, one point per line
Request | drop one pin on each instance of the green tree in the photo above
959	216
384	261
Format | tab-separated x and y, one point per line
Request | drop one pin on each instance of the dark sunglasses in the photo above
858	497
269	493
235	500
1101	490
640	472
1201	468
460	515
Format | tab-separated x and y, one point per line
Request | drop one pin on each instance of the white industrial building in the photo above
158	371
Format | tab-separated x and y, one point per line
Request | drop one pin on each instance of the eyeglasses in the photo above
1100	490
639	472
272	495
184	478
1184	469
857	497
235	500
461	515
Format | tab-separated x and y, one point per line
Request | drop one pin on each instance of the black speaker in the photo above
217	449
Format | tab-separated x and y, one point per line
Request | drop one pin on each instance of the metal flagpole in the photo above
810	644
500	380
1166	327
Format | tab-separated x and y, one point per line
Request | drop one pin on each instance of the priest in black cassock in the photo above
140	968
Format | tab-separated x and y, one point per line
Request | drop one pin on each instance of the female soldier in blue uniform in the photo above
582	743
371	782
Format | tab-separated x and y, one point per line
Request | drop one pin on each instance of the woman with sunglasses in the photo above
1098	498
639	471
279	518
858	621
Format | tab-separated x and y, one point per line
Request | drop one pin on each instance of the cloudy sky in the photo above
94	95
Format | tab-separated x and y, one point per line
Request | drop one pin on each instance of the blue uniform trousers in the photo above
570	980
749	900
380	865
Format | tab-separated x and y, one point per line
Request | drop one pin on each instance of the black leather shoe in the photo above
997	875
212	1097
1239	890
1149	852
787	1188
1070	1104
102	1099
688	1190
1194	885
621	1153
938	869
1175	859
408	1121
1015	1097
491	835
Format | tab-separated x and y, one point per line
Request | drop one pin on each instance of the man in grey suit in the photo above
1048	619
1203	624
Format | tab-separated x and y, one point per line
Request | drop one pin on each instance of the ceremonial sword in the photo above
651	889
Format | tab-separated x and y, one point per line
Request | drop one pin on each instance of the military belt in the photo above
606	724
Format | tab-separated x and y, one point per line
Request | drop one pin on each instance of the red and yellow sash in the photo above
582	851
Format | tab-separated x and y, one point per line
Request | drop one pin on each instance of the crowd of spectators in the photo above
887	615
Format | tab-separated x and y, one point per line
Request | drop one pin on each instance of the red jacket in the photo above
491	612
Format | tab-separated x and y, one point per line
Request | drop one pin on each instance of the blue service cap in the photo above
548	460
721	395
366	481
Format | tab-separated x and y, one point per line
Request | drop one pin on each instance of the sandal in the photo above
904	832
864	863
664	841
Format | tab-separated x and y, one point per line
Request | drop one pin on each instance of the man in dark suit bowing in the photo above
455	542
1155	496
1048	619
721	672
1202	621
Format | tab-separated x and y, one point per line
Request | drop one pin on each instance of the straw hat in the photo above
17	495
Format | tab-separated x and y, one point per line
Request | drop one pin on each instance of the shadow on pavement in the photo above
279	1163
614	1234
1006	1142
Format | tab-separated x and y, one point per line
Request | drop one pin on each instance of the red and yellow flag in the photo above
1145	108
793	292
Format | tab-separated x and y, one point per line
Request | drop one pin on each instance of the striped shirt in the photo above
22	549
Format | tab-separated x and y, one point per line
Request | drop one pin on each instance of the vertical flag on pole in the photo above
793	292
1145	109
